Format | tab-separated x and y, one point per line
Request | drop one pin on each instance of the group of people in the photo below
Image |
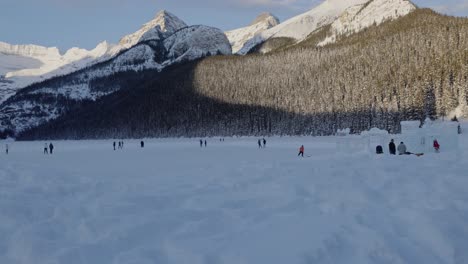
260	141
402	149
48	149
120	145
201	143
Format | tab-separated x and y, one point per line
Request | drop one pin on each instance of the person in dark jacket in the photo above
392	147
46	149
114	145
259	143
205	143
264	142
201	143
142	144
51	148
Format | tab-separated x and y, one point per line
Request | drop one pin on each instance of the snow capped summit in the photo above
164	22
344	16
239	37
301	26
358	17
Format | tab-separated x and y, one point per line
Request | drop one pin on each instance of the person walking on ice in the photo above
301	151
46	149
6	149
201	143
436	146
51	148
114	145
205	143
264	143
259	143
392	147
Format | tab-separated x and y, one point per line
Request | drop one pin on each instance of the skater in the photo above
114	145
436	146
201	143
205	143
459	129
259	143
264	142
301	151
379	150
392	147
142	144
46	149
6	149
51	148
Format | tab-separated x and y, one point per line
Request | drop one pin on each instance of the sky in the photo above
85	23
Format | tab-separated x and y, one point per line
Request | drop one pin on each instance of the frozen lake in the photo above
231	203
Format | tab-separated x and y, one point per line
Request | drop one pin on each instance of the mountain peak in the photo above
266	17
164	22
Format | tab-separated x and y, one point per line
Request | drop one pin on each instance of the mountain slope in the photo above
239	37
22	65
345	17
407	69
44	101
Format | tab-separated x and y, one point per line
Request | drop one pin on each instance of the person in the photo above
114	145
122	144
201	143
259	143
402	149
6	149
459	129
142	144
264	142
436	145
301	151
205	143
46	149
392	147
51	148
379	149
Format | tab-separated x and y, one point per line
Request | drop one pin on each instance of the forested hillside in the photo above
411	68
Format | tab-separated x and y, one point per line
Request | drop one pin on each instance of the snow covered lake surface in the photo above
231	203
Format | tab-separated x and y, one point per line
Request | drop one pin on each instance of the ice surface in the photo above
174	202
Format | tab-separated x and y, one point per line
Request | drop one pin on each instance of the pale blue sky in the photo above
84	23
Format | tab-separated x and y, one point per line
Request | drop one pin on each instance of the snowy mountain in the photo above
22	65
344	16
44	101
164	22
239	37
359	17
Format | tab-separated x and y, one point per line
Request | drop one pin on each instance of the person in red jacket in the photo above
301	151
436	145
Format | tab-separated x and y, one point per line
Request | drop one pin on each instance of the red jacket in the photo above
436	144
301	149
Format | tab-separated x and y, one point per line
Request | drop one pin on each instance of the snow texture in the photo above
174	202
